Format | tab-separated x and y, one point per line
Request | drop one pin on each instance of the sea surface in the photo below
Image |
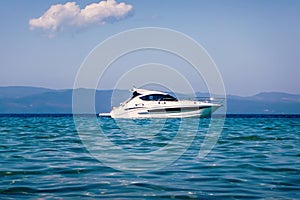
44	157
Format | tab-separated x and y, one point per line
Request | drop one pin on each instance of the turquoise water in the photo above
255	157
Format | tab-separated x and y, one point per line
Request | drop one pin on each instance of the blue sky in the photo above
255	44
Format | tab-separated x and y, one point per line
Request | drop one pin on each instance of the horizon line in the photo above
105	89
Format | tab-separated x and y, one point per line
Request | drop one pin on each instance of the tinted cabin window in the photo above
158	97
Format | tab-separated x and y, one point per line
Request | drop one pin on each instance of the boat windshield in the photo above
135	94
158	97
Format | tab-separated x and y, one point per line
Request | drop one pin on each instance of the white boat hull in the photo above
164	113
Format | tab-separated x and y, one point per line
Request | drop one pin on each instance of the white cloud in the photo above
60	16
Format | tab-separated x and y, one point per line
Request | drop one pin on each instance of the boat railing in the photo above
205	99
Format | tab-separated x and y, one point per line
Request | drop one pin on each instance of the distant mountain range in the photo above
34	100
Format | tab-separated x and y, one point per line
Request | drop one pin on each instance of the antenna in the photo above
133	88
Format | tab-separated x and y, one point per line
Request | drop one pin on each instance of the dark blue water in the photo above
255	157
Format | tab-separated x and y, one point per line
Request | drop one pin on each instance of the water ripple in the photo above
255	157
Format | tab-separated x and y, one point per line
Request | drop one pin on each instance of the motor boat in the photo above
155	104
